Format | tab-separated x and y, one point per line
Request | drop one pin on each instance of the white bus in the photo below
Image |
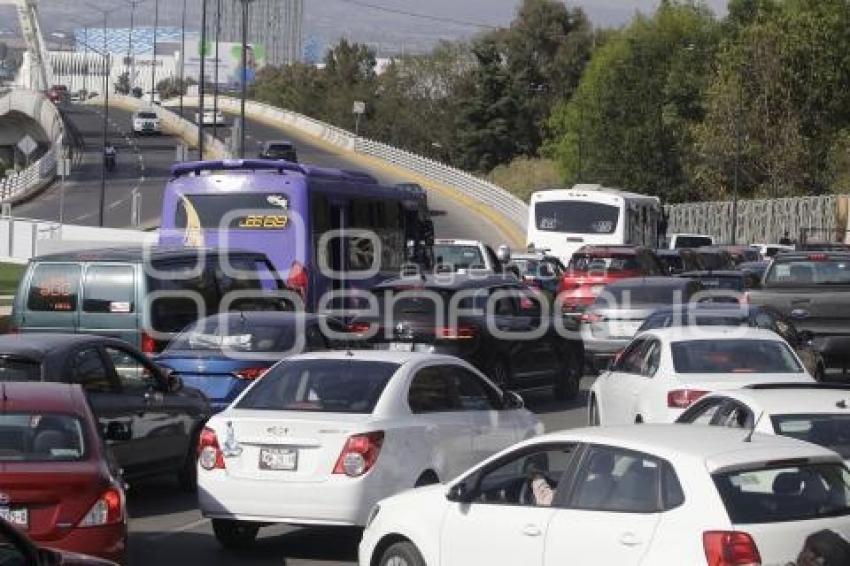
564	220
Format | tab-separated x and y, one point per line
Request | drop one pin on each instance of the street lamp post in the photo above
244	95
215	73
106	72
130	67
182	56
153	61
201	89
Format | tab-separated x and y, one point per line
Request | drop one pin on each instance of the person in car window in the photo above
543	492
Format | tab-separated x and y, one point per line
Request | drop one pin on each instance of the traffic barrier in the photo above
36	175
172	123
504	209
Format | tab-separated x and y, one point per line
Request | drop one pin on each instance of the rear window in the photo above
693	241
676	319
258	211
830	431
734	356
809	272
109	289
54	287
459	257
229	333
715	261
785	493
320	386
605	264
638	295
40	437
576	217
19	369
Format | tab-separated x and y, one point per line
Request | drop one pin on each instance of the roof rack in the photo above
196	167
815	385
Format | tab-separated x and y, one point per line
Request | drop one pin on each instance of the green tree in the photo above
123	84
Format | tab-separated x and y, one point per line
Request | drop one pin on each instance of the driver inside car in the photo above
543	492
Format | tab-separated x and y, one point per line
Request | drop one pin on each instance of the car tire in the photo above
233	534
402	554
569	380
593	412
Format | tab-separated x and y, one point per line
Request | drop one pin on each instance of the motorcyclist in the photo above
109	155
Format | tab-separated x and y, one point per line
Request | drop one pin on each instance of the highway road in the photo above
450	219
166	527
143	165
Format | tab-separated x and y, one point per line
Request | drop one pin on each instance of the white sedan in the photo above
322	437
818	413
663	371
652	495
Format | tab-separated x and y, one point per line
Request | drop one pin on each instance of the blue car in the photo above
222	354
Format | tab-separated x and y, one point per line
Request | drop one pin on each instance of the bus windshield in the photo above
576	217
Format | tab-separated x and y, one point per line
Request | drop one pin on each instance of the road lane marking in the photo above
176	531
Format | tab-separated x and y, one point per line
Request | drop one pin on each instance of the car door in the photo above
161	428
433	400
109	307
512	336
617	387
88	368
502	521
612	512
493	427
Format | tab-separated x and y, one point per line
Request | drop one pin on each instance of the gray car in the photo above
614	318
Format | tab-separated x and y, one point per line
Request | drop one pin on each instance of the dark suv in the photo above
140	296
416	315
279	150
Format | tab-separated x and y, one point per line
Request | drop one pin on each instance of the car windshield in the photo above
233	333
809	272
19	369
829	430
613	263
641	295
459	257
785	493
693	241
733	356
321	386
40	437
576	217
147	115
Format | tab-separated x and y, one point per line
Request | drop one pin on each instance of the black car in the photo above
463	316
715	259
757	268
723	286
149	420
279	149
679	260
741	315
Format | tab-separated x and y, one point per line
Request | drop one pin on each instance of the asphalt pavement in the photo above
167	529
451	220
143	165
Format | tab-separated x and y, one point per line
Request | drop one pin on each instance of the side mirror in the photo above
459	493
512	400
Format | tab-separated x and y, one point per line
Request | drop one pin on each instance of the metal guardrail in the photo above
763	220
37	173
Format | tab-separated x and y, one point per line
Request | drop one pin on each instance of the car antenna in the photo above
749	437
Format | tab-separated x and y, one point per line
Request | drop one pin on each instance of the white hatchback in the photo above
663	371
652	495
320	438
815	412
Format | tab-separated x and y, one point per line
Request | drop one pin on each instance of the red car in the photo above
59	485
16	548
593	267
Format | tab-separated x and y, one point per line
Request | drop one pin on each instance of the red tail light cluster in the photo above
360	327
149	345
683	398
250	374
730	548
299	278
592	318
107	510
359	454
210	456
461	332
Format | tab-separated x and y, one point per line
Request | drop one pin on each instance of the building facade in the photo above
276	26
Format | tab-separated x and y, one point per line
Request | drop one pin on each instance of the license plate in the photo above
401	347
279	459
18	517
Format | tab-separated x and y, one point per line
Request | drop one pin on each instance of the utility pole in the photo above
153	61
106	76
735	179
215	79
245	4
182	56
131	53
201	89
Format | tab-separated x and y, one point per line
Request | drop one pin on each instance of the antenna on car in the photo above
749	437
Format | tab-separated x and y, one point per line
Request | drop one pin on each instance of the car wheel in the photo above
234	534
569	381
499	373
593	412
402	554
187	477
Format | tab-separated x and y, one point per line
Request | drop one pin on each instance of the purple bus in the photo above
323	229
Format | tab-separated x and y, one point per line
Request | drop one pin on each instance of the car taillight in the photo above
299	278
818	257
591	318
565	285
210	456
250	374
107	510
149	345
462	332
730	548
359	454
360	327
683	398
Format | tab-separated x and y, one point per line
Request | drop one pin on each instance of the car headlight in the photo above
373	515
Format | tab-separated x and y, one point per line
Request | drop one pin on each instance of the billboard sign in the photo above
229	62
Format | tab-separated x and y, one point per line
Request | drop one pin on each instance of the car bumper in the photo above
338	501
109	542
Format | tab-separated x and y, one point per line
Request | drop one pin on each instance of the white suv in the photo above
146	122
322	437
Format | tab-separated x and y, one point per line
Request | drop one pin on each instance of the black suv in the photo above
280	149
414	314
149	420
